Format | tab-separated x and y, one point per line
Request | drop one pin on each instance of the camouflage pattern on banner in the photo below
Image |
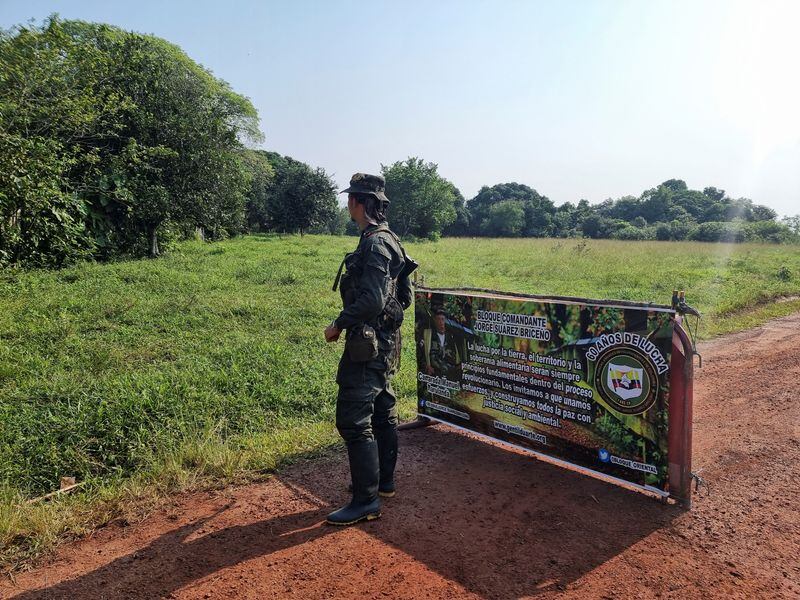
582	381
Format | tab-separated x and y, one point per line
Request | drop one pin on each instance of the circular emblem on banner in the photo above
626	380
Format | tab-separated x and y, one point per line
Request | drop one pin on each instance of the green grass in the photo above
725	281
209	365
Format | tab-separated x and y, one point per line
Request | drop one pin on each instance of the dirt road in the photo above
472	520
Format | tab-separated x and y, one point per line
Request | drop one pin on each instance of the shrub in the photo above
717	231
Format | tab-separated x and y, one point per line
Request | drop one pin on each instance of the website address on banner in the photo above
632	464
521	431
447	409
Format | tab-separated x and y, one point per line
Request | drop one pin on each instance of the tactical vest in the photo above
391	317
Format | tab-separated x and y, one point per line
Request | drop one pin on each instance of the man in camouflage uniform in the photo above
443	353
375	290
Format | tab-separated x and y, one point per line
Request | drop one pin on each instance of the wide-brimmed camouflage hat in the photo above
363	183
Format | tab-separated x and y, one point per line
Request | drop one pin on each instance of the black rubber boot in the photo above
384	491
364	470
386	439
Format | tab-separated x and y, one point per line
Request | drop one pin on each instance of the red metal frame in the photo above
680	416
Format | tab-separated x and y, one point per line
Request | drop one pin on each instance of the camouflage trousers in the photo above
366	404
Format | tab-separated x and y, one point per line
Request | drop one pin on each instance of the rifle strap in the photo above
338	275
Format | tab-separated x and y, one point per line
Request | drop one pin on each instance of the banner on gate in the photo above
582	381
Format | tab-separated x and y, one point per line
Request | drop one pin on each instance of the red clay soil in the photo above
472	520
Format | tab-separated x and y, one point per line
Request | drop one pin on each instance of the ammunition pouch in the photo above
361	344
392	315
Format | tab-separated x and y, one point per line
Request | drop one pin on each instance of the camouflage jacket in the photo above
443	357
371	277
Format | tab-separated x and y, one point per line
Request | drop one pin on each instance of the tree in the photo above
663	232
300	198
337	225
261	177
582	211
688	205
539	210
763	213
626	208
713	193
740	209
595	226
539	213
505	219
422	201
108	137
767	231
675	185
564	220
460	226
51	105
182	133
655	203
717	232
714	213
677	212
680	230
793	224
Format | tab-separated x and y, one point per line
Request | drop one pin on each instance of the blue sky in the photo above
578	99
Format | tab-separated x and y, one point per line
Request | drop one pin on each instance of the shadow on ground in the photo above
497	523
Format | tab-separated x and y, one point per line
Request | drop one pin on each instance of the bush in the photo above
768	231
679	230
635	233
663	232
506	219
718	231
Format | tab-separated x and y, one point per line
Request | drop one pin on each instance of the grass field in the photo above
209	364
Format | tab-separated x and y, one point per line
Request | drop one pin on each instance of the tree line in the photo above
115	143
669	211
426	205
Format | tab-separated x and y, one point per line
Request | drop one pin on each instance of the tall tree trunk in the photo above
153	243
